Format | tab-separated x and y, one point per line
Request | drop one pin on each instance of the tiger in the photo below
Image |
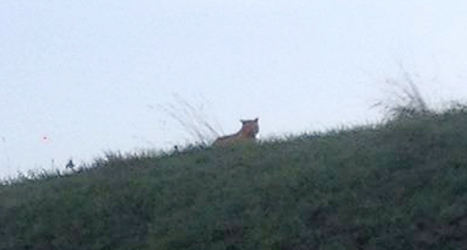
246	134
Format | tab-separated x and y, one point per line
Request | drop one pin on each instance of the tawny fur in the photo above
246	134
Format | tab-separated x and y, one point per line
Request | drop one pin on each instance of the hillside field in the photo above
401	184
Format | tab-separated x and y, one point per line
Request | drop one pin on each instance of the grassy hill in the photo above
398	185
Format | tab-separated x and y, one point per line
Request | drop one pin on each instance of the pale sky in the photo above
79	78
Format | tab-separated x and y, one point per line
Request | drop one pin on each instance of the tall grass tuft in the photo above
406	101
192	120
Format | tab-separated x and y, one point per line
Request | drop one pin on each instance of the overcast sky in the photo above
79	78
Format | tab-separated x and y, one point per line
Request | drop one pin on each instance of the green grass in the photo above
398	185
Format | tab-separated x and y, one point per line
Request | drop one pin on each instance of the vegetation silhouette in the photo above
400	184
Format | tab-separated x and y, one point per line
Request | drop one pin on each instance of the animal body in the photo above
246	134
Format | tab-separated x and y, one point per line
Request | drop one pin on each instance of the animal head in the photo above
250	127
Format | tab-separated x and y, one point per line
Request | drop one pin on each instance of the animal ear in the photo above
242	121
256	120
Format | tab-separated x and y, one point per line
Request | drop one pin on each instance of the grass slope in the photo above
401	185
